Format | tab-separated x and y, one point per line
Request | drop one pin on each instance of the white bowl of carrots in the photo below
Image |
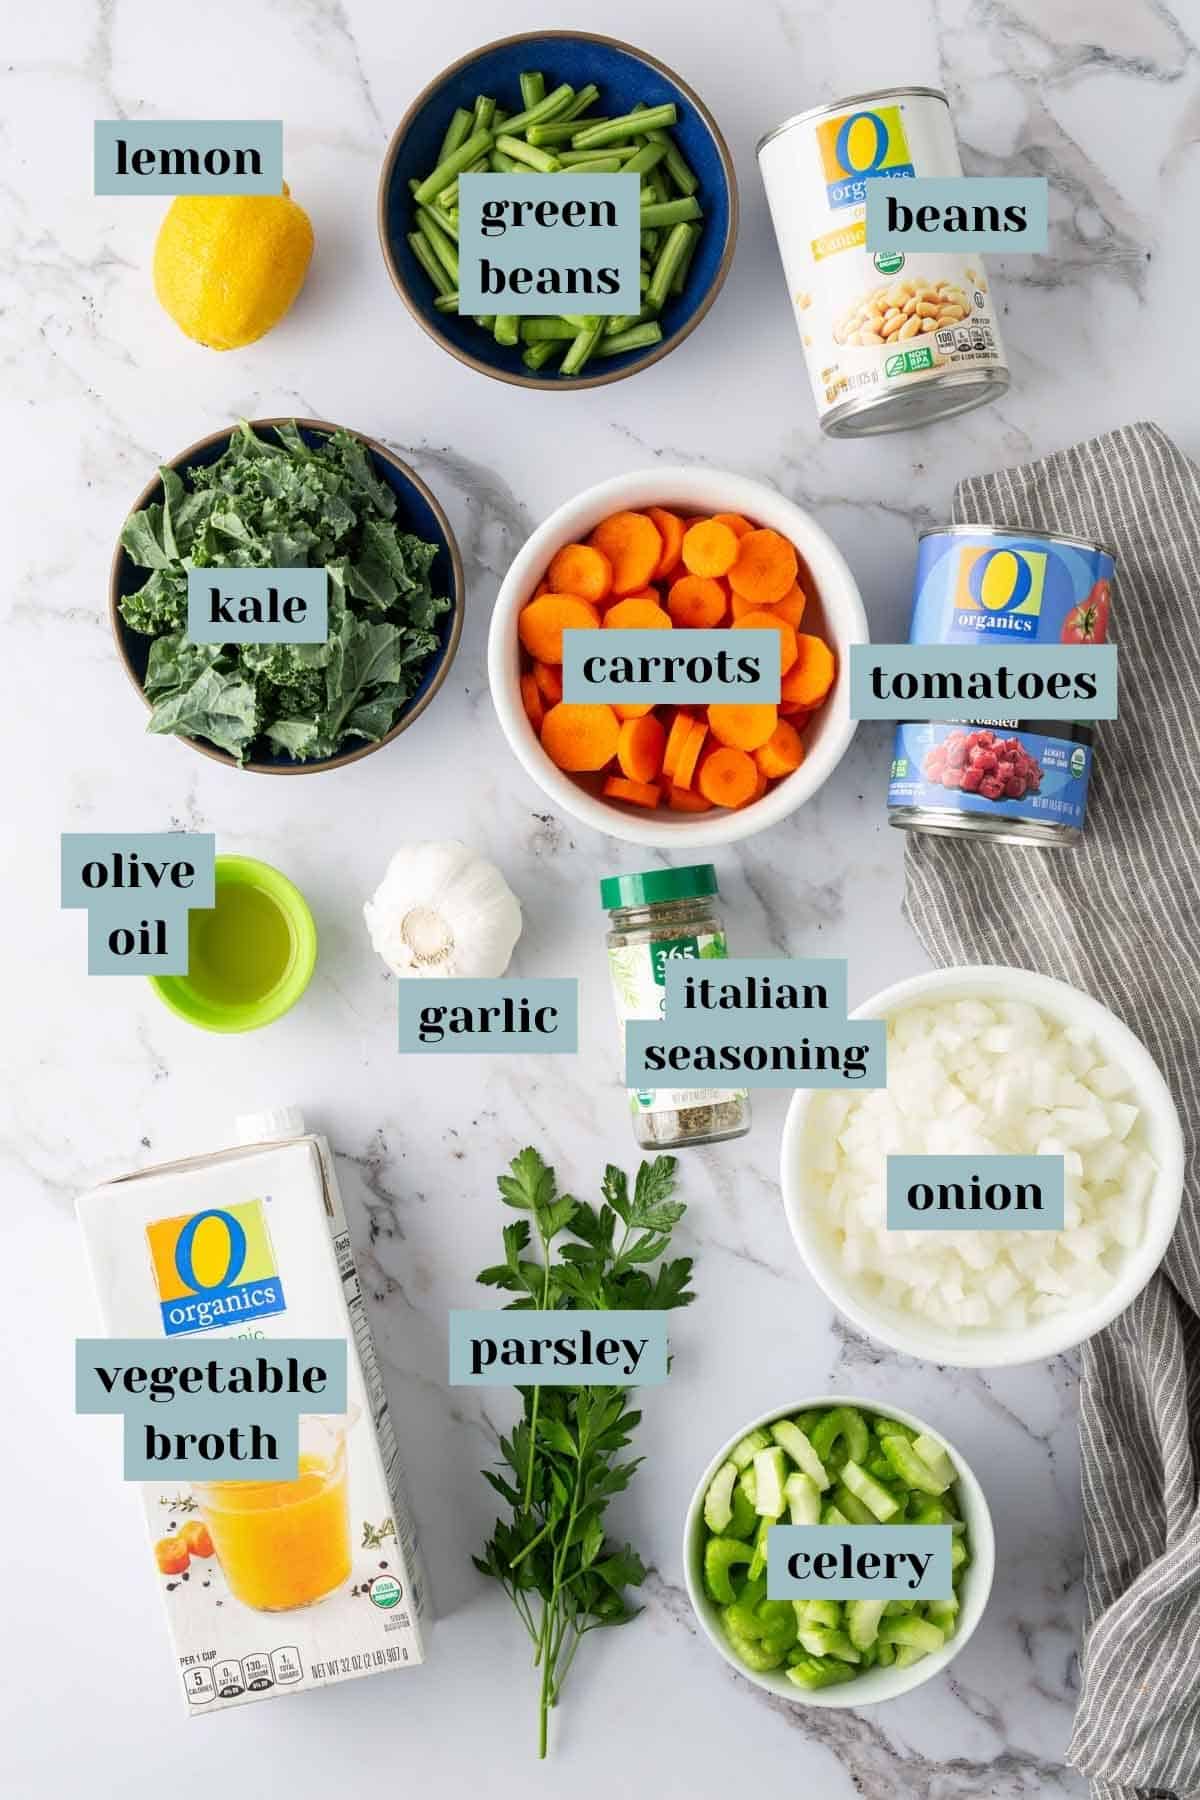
678	548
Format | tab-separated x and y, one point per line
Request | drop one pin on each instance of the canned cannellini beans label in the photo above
892	339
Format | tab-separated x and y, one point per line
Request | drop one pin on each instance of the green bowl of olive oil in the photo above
250	957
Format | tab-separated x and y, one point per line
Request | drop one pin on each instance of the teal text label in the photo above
480	1017
689	667
859	1562
558	1349
258	606
915	682
188	156
975	1193
959	212
570	245
138	888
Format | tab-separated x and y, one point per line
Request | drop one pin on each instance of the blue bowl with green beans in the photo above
841	1461
544	102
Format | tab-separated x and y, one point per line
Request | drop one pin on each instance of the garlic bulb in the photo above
442	910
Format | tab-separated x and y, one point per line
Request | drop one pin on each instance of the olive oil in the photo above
240	949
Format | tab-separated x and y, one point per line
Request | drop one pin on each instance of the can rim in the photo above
962	527
833	106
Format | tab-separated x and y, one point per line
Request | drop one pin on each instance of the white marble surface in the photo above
98	386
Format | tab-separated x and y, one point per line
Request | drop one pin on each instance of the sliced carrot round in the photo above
765	568
638	793
549	680
811	676
580	737
728	777
689	755
709	548
637	615
632	709
640	748
580	569
766	619
687	800
531	700
670	529
697	601
743	725
676	739
543	621
792	606
735	522
782	752
633	546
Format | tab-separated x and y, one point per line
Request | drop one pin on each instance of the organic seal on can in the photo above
1018	783
891	339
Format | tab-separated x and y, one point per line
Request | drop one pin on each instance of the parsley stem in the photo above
537	1392
532	1544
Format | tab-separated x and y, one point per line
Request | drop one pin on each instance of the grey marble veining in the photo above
1103	99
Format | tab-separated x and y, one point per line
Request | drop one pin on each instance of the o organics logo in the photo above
214	1266
860	145
1001	588
669	950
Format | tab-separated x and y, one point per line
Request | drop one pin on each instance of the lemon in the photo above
227	266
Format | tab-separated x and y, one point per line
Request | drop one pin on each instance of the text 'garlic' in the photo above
442	910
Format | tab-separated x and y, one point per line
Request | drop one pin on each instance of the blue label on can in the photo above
1002	587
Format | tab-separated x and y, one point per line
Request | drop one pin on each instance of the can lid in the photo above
656	885
267	1127
832	107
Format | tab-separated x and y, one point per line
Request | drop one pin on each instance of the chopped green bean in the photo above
645	159
595	165
507	329
581	349
558	131
685	261
533	87
669	258
650	241
615	129
447	303
587	96
457	132
552	107
430	263
439	241
501	164
582	321
638	337
618	322
547	330
581	158
539	354
485	114
520	151
671	212
677	167
658	184
478	144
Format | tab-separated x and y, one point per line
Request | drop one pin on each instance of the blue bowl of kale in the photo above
290	493
569	99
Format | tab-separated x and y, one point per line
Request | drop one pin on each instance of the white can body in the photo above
891	339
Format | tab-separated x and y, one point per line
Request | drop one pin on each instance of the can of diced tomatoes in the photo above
892	339
1016	782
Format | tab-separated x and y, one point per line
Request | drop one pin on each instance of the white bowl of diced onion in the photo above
1003	1060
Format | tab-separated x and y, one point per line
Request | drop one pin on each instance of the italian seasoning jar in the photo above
655	919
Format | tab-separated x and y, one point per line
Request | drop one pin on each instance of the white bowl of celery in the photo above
834	1460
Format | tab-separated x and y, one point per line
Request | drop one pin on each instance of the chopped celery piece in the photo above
862	1621
852	1506
842	1430
770	1472
831	1516
819	1612
943	1614
818	1640
718	1502
912	1469
790	1438
919	1634
745	1451
758	1561
907	1655
934	1455
721	1555
745	1520
819	1672
754	1655
803	1499
865	1488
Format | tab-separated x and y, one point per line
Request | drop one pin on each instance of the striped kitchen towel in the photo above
1120	917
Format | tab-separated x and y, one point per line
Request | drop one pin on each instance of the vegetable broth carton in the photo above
270	1586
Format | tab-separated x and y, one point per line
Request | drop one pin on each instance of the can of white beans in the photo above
891	338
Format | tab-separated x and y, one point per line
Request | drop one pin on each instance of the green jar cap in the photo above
657	885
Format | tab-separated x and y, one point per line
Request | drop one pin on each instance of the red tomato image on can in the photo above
1087	623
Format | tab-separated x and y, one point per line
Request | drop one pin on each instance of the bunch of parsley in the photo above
284	504
562	1463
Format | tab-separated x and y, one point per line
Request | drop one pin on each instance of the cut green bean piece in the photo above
587	96
645	159
447	303
615	129
575	359
521	152
552	107
533	87
501	164
677	167
619	322
439	242
507	329
457	132
670	212
430	263
485	114
685	261
545	330
595	165
478	144
669	258
538	355
558	131
579	159
658	184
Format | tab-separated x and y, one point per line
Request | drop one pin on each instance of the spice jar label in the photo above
639	975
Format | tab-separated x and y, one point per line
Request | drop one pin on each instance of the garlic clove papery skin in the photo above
442	910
